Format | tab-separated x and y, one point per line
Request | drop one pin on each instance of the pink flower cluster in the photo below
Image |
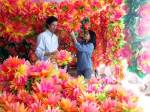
143	62
42	88
63	57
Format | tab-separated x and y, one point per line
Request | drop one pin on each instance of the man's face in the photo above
52	27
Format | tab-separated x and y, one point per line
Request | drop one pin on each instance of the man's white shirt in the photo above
46	42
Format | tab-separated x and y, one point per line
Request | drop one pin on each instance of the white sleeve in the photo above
57	44
40	49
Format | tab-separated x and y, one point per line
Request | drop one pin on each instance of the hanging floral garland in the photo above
137	37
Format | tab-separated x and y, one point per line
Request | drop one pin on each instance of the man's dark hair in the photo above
50	19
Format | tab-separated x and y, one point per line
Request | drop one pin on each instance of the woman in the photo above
85	47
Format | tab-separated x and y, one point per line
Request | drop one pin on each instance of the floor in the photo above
144	100
131	83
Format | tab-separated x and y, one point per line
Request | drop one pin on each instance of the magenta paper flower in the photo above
118	2
89	107
143	62
117	14
108	105
53	110
47	86
143	28
63	57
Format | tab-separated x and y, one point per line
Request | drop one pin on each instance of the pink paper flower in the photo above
63	57
118	2
108	105
89	107
143	28
143	62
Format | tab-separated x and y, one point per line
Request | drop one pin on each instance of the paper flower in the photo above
143	28
42	69
143	62
24	20
14	107
53	110
108	105
63	57
89	106
59	92
15	71
74	88
67	105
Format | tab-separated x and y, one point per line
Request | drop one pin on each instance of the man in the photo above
47	41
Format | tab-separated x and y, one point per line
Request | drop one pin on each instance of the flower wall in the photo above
24	19
137	36
42	88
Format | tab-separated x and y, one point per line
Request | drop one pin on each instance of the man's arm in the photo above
40	48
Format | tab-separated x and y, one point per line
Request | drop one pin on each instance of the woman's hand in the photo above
72	34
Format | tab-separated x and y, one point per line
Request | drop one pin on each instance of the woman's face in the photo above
87	37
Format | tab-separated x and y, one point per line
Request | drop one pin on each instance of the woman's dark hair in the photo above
92	38
50	19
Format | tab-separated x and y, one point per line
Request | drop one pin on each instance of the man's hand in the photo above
54	53
52	56
49	54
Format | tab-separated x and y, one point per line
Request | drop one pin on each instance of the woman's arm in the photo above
82	47
85	47
74	38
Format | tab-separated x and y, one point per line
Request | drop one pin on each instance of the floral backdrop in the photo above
137	33
22	20
27	85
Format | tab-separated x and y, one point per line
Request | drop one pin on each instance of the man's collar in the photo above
48	31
